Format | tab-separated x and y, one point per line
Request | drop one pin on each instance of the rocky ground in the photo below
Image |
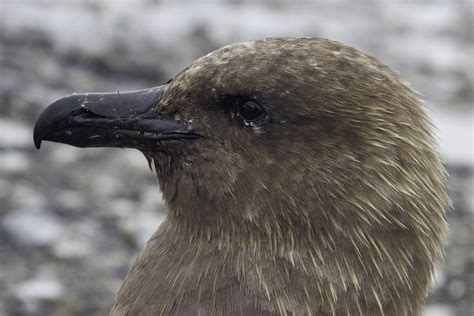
71	220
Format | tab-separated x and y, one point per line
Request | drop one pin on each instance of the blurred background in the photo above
71	219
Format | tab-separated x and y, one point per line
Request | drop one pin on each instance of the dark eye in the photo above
250	111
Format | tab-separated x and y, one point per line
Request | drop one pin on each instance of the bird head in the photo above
292	143
276	133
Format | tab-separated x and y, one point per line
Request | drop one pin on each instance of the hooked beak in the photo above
121	119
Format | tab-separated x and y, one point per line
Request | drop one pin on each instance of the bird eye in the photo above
250	111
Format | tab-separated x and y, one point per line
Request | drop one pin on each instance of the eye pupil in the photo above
251	111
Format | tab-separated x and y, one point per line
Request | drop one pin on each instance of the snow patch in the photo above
456	134
15	134
42	287
437	310
14	161
34	227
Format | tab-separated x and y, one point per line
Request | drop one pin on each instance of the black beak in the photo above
121	119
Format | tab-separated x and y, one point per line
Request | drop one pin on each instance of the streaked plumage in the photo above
331	206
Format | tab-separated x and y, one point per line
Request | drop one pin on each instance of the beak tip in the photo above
38	144
37	140
37	137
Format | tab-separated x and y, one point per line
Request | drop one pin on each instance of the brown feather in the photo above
333	208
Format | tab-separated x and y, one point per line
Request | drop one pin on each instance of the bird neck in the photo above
340	262
316	273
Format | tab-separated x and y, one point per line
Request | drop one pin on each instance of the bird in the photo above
301	176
